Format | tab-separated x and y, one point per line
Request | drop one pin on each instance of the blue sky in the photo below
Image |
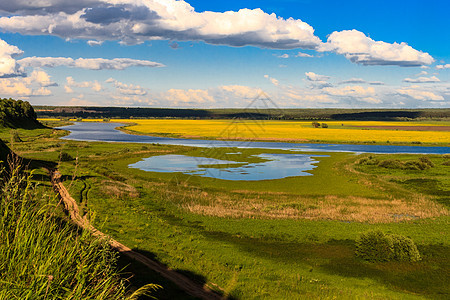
168	53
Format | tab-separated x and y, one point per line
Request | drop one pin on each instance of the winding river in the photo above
106	132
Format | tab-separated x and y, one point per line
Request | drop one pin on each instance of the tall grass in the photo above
44	257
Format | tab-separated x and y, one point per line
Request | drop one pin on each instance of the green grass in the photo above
261	257
44	257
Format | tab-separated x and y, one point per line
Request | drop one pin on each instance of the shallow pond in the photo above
272	166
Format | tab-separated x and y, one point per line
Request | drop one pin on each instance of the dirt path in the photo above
186	284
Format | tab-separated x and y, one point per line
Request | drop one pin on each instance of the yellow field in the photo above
338	131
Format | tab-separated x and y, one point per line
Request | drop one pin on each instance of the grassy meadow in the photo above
291	238
382	132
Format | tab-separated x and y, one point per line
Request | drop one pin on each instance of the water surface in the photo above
106	132
272	166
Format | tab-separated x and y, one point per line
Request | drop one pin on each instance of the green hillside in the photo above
17	114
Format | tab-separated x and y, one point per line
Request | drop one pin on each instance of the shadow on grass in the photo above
138	275
428	277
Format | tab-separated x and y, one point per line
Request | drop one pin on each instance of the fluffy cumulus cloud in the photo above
421	79
441	67
86	63
127	89
274	81
134	21
301	54
360	49
419	93
8	64
71	83
311	76
137	21
317	81
24	87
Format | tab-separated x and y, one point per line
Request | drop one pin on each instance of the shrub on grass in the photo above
376	246
368	160
426	160
422	163
15	136
64	156
404	248
391	164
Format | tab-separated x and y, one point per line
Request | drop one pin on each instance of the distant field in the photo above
337	131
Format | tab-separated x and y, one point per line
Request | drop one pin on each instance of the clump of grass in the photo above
42	256
423	163
377	246
368	160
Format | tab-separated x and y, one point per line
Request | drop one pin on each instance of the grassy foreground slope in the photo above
43	256
279	239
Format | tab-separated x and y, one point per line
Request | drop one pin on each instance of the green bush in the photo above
422	163
426	160
377	246
404	248
368	160
415	165
374	246
391	164
64	156
15	136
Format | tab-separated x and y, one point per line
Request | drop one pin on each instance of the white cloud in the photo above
285	55
8	65
360	49
441	67
311	76
301	54
422	79
418	93
86	63
34	85
137	21
188	97
68	89
127	89
422	73
94	43
352	80
134	21
42	78
71	83
355	91
274	81
376	83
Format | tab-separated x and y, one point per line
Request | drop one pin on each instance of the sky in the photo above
224	54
